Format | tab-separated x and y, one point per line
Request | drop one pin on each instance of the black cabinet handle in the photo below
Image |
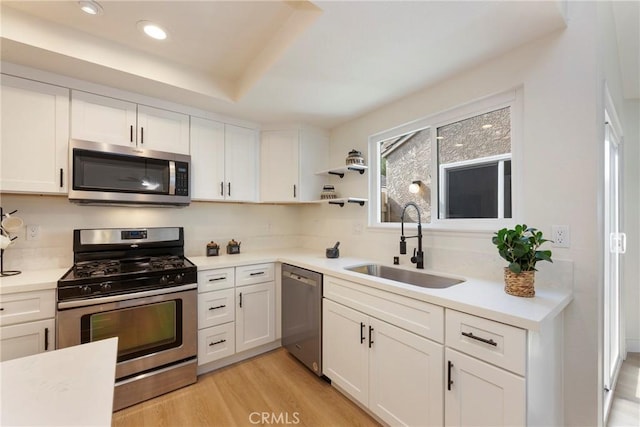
370	336
61	178
257	274
229	189
240	299
1	308
46	339
141	135
217	342
215	279
449	380
221	188
361	332
294	191
217	307
131	133
484	340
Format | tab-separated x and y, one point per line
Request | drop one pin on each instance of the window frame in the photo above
500	159
512	99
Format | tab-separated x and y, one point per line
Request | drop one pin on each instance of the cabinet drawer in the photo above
499	344
215	308
213	280
216	342
27	306
251	274
420	317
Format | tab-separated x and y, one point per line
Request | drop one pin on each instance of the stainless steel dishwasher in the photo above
302	315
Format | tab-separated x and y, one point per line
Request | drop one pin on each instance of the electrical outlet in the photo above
33	232
561	236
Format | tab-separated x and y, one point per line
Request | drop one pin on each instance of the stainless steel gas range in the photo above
137	285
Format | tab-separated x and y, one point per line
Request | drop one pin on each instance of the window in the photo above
456	166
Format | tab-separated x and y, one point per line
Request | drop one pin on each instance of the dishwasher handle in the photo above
298	278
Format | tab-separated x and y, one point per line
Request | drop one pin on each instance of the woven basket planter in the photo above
520	284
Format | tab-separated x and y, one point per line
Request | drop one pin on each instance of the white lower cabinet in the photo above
395	373
485	368
236	310
479	394
27	323
255	315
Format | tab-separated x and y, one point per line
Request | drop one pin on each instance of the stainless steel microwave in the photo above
117	174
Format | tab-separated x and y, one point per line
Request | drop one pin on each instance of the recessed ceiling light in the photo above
90	7
487	126
152	30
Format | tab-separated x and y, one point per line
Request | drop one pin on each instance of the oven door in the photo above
154	330
113	173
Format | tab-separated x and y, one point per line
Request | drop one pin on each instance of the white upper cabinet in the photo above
114	121
224	161
102	119
163	130
289	160
35	136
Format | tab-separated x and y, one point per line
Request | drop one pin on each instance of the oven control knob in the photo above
179	278
105	287
164	280
85	290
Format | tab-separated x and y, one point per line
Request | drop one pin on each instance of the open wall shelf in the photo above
341	171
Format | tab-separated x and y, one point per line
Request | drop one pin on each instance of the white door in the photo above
255	315
241	164
26	339
35	136
207	159
345	349
614	247
405	377
279	163
163	130
102	119
480	394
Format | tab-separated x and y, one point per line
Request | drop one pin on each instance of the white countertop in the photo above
475	296
36	280
68	387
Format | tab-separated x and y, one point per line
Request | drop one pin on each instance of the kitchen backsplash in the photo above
256	226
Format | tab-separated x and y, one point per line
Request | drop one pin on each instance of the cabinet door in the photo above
207	159
241	163
345	349
102	119
255	315
279	163
163	130
35	136
405	377
481	394
26	339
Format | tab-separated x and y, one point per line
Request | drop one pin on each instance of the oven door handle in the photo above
123	297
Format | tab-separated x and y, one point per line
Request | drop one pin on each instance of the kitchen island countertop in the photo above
68	387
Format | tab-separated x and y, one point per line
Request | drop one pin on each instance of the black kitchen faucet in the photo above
418	256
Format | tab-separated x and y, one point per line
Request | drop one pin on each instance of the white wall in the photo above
255	226
561	181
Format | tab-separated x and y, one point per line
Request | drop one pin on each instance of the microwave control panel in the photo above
182	179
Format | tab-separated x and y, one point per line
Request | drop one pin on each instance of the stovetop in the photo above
126	261
108	267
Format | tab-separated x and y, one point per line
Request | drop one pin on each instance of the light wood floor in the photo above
625	409
273	383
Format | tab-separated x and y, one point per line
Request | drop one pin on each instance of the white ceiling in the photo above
319	63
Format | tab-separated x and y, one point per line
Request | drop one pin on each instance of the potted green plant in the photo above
520	247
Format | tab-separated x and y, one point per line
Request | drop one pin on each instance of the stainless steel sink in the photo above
416	278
